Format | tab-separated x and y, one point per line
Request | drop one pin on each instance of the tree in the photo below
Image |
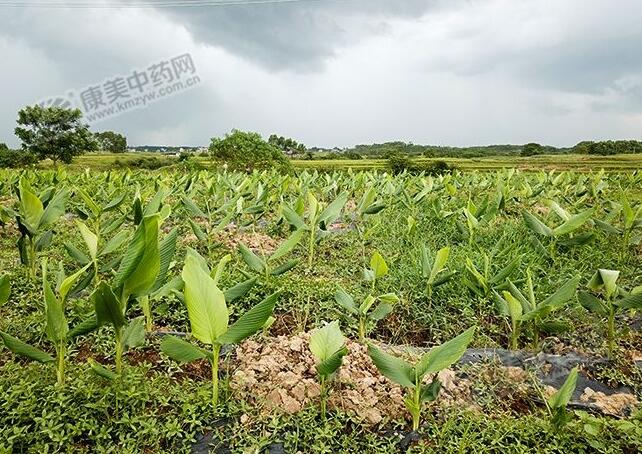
247	151
531	149
111	141
287	145
54	132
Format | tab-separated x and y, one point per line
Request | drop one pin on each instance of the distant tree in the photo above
531	149
247	151
13	158
582	147
287	145
111	141
54	132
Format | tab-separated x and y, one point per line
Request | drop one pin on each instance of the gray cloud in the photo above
341	72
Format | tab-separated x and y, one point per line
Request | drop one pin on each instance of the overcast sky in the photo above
343	72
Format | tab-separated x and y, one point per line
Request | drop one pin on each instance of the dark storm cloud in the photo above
299	35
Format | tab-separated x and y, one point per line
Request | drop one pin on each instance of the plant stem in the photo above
119	351
147	311
362	330
416	414
216	350
323	396
311	245
60	369
611	330
514	335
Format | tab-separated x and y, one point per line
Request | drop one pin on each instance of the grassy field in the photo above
121	277
580	163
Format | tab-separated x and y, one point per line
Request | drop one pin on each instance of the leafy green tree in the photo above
531	149
287	145
111	141
247	151
54	132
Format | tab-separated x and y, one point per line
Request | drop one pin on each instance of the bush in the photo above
151	163
439	168
399	164
14	158
247	151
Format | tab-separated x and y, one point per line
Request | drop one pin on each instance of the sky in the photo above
334	72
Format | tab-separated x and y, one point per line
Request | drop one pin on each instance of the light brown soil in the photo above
279	373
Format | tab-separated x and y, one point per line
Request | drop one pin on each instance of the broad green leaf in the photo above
574	223
364	307
292	217
134	333
220	267
287	245
285	267
107	306
330	365
144	274
606	279
332	211
5	289
564	394
101	370
192	208
592	304
77	254
535	224
91	239
505	272
395	369
95	209
180	350
633	301
68	283
326	341
166	249
55	208
198	231
446	354
20	348
440	262
429	393
250	322
514	306
31	206
345	300
378	265
239	290
115	242
563	294
251	259
381	311
205	303
84	327
56	326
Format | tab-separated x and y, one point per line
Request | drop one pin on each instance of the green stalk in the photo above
147	311
323	395
311	245
216	350
32	258
514	335
611	330
60	368
119	351
416	414
362	329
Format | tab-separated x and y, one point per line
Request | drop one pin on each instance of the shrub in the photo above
13	158
247	151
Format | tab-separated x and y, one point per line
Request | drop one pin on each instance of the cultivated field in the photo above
325	295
